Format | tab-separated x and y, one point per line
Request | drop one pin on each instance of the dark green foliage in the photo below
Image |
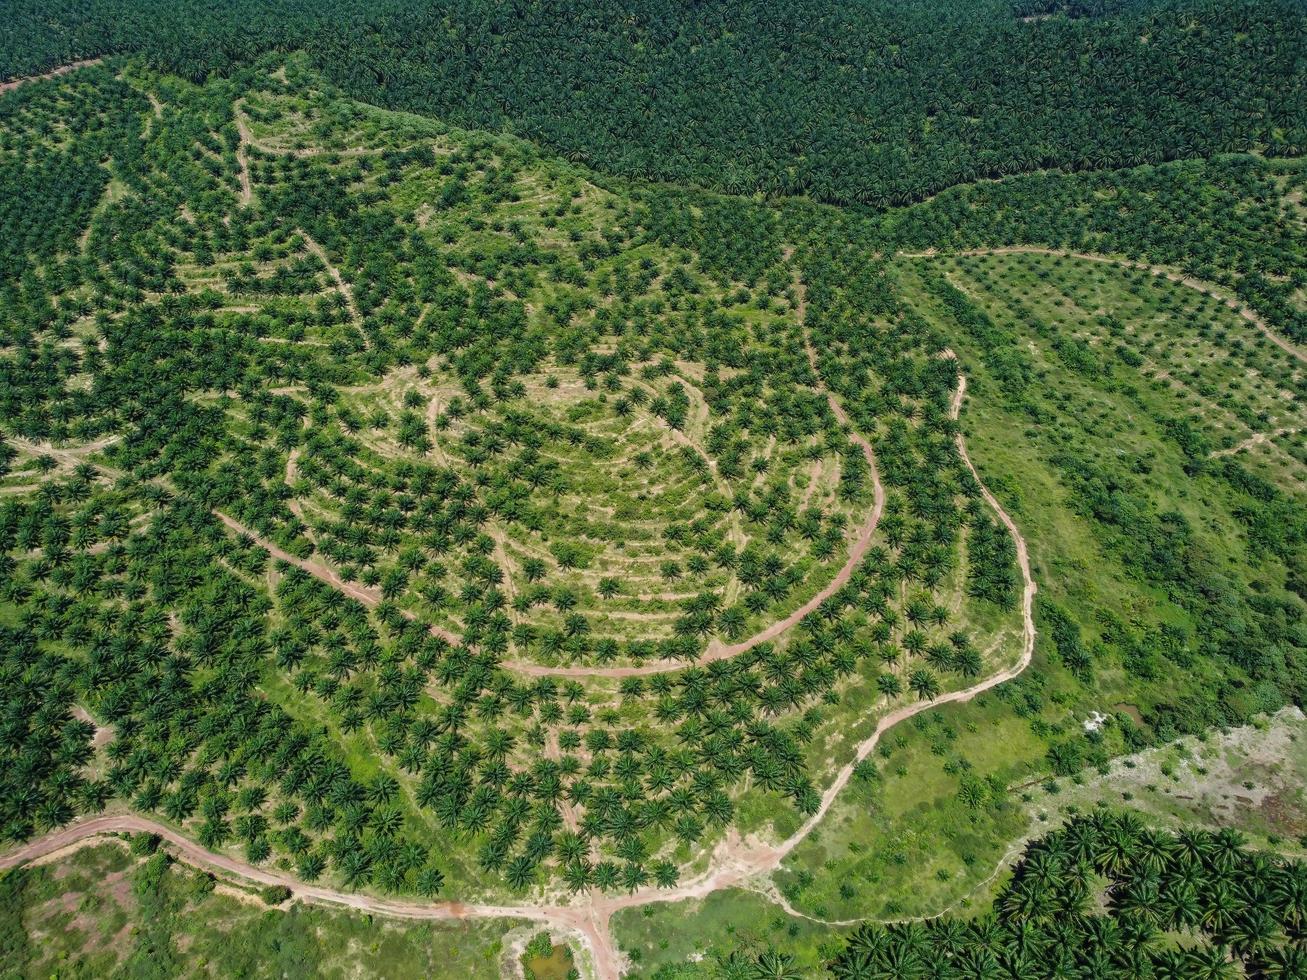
50	191
991	561
274	894
1009	363
878	103
144	843
1066	638
1221	220
1274	520
1099	897
15	946
41	743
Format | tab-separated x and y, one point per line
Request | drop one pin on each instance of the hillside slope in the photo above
874	102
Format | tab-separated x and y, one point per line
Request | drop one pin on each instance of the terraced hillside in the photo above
382	485
407	518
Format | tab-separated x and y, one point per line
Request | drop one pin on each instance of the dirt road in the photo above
243	159
570	919
344	287
367	596
71	456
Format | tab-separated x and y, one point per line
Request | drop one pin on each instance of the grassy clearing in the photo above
1199	361
921	835
104	911
697	939
1249	778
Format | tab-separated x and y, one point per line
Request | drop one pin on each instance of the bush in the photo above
144	844
275	894
541	945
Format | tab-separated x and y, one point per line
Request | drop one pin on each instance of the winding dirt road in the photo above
367	596
345	289
1173	275
735	861
1023	556
573	919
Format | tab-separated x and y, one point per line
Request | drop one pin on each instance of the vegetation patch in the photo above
403	509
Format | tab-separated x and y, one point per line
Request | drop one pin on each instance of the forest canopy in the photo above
878	103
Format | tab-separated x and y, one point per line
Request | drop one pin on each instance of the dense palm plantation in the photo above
1108	897
870	103
329	458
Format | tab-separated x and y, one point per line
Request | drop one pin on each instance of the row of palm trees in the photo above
1108	896
1221	221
